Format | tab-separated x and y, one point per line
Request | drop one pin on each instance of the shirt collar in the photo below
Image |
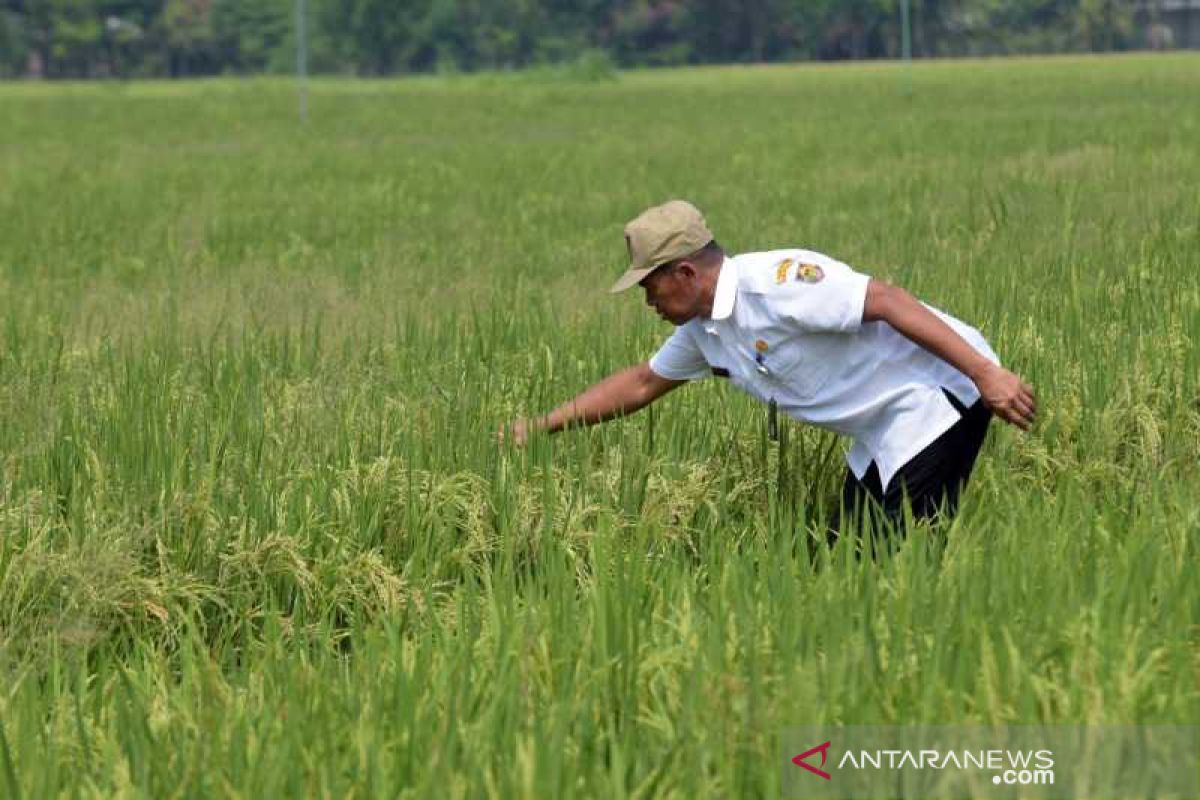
726	291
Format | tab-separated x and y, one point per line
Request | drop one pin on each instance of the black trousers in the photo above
930	482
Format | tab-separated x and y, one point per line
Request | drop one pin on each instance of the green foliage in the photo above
88	38
14	44
256	535
254	37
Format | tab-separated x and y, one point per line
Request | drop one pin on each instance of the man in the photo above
914	387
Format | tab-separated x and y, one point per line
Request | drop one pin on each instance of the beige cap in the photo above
661	234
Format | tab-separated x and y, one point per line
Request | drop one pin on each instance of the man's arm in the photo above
619	394
1004	393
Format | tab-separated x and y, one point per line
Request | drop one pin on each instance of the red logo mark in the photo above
823	749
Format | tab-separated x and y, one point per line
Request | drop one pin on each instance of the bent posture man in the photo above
914	387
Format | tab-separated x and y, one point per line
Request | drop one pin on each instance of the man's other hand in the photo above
1009	398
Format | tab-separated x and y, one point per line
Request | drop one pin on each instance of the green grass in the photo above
257	539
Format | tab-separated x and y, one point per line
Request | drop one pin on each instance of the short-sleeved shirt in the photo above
787	326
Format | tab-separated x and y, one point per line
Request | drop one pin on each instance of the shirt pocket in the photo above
801	366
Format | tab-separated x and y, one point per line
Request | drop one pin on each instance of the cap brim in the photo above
630	279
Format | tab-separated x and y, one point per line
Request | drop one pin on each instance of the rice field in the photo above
257	536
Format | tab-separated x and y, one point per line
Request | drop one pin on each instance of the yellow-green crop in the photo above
257	538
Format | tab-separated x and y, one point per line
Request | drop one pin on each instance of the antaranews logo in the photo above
1011	767
954	761
823	749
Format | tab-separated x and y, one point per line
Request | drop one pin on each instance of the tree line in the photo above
178	38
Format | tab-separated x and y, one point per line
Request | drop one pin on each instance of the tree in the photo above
1105	24
81	38
253	37
188	35
14	46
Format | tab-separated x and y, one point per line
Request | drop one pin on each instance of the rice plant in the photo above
257	536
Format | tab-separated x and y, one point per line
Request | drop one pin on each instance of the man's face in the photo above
673	291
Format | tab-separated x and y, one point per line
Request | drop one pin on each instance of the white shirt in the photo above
787	325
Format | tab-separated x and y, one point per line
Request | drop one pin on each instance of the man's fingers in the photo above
512	433
1028	396
515	433
1025	406
1017	418
1022	413
1013	412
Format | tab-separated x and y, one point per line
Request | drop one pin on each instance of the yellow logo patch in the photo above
760	346
809	273
781	270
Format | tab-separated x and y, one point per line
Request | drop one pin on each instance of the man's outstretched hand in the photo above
515	433
1009	398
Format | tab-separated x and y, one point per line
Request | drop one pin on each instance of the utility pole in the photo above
302	58
906	45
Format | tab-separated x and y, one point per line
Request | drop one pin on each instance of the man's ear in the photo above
688	268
